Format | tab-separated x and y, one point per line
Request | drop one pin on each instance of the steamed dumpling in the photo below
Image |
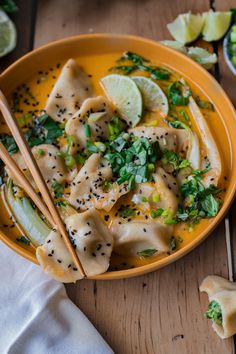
96	112
70	90
136	236
88	189
93	243
51	165
164	186
224	293
168	138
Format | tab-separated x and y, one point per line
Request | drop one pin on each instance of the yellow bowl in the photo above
95	44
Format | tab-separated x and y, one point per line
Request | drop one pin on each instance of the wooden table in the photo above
161	312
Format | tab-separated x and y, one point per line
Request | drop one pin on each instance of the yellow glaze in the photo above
96	53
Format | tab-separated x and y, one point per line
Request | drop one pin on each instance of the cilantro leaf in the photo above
126	212
204	104
176	95
9	143
214	312
147	253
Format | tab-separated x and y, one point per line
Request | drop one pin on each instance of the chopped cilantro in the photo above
87	130
135	58
8	6
147	253
204	104
176	95
91	148
199	201
57	189
23	239
130	158
170	157
126	212
156	213
9	143
115	127
214	312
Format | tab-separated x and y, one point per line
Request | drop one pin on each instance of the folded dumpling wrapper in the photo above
93	243
51	165
137	235
72	87
168	138
224	293
96	112
87	189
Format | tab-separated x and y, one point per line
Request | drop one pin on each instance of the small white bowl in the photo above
226	55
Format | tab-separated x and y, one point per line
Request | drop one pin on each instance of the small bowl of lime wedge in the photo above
229	49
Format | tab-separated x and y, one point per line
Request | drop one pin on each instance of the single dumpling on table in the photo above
93	186
72	87
93	243
222	306
90	122
51	165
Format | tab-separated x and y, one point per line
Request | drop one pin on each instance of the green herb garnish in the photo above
9	143
156	213
176	94
130	158
199	201
214	312
204	104
115	127
126	212
57	189
8	6
23	239
147	253
170	157
69	159
87	130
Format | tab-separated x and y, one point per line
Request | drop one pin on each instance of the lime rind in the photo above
7	34
126	97
216	25
186	27
153	97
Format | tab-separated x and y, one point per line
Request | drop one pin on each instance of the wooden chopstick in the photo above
23	181
38	178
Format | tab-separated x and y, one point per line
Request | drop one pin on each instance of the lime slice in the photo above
153	96
125	95
215	25
7	34
202	57
186	27
175	45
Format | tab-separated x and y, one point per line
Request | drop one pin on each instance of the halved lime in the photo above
7	34
153	96
202	57
215	25
186	27
125	95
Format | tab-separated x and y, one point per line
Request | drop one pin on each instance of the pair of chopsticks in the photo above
49	210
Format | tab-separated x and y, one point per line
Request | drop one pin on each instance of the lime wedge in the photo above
175	45
186	27
202	57
7	34
125	95
153	96
215	25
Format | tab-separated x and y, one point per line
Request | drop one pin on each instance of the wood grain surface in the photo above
162	312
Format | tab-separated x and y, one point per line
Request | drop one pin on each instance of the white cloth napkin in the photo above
36	316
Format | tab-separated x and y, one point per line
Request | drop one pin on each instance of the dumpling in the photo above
223	292
168	138
164	187
88	188
136	236
96	112
70	90
92	241
51	165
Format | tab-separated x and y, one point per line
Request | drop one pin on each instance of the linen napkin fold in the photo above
37	317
